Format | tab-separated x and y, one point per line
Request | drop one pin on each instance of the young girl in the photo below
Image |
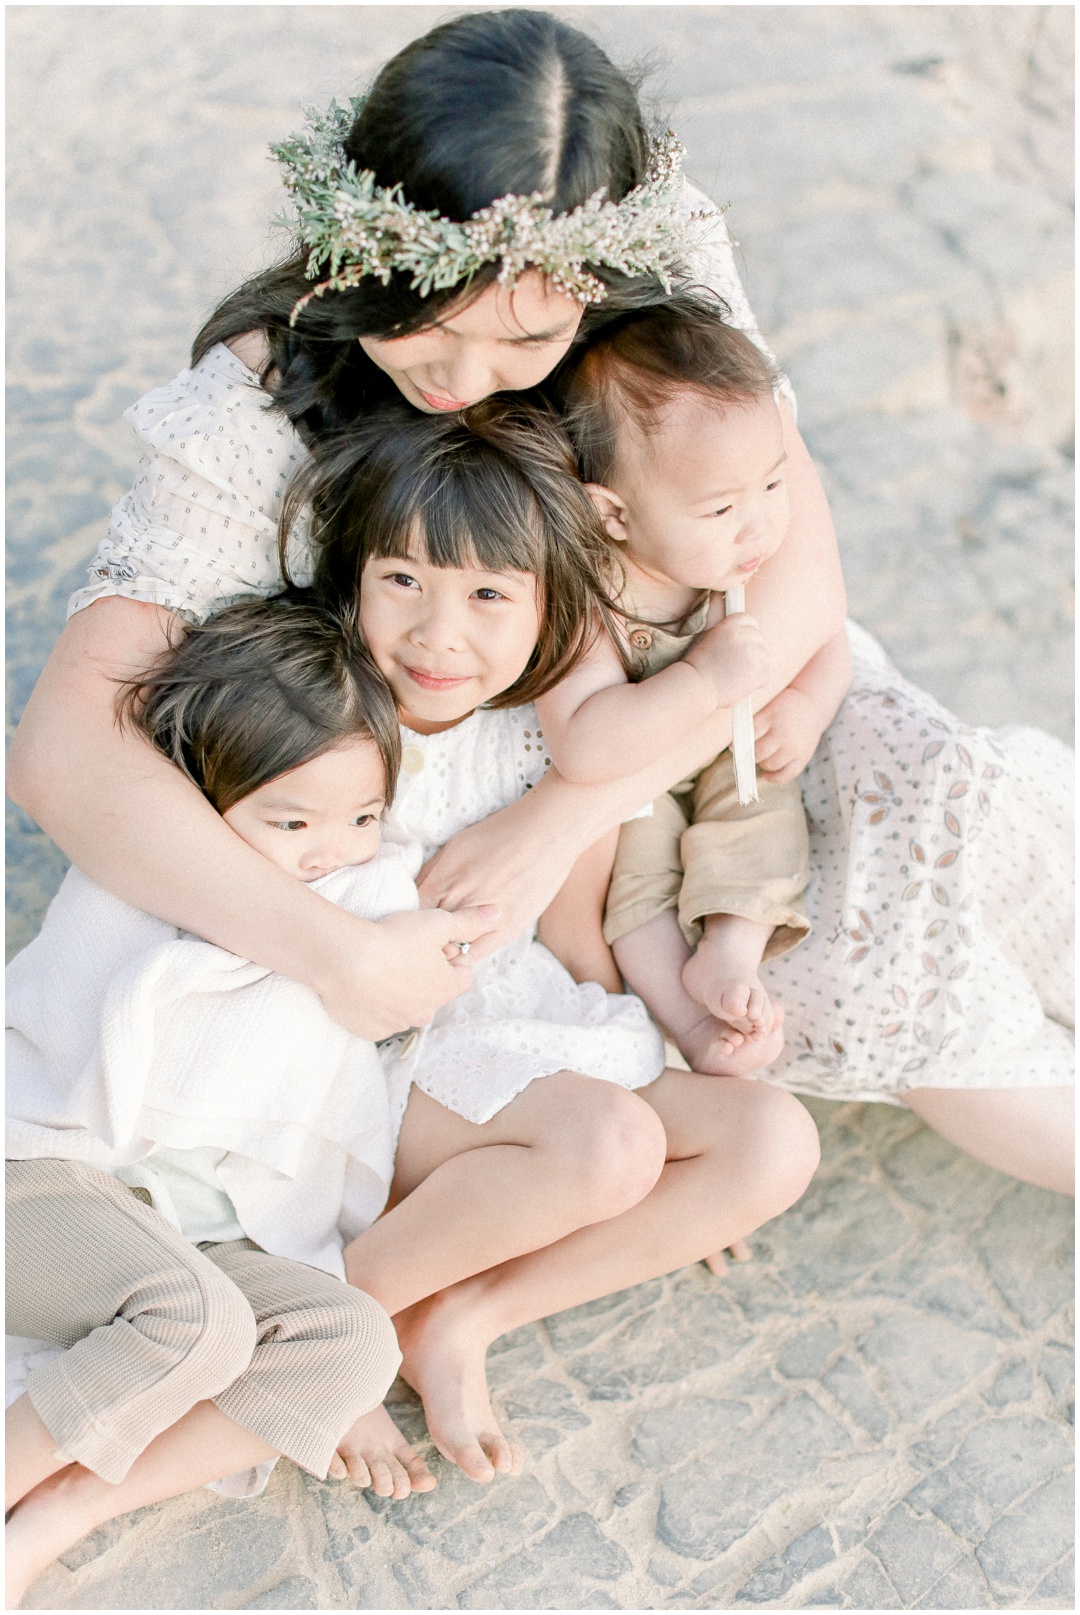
481	568
260	1132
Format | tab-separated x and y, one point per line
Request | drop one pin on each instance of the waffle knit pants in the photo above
153	1324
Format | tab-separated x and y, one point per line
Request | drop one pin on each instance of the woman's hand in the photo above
398	972
135	824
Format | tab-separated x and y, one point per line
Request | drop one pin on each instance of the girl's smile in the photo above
446	638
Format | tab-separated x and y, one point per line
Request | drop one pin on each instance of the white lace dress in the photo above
524	1016
940	855
941	901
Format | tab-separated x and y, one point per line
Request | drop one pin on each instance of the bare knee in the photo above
611	1149
785	1148
766	1151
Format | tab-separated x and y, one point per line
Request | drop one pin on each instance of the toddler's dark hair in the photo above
495	487
260	688
635	368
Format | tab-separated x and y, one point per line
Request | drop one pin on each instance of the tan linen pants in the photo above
153	1324
703	852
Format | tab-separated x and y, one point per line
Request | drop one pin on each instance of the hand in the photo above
398	972
518	858
786	732
734	656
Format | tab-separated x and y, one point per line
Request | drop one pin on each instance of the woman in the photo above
558	120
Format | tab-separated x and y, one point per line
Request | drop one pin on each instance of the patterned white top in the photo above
199	528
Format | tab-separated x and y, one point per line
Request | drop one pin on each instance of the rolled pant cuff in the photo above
81	1437
790	925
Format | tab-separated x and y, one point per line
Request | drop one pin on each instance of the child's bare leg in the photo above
653	959
572	925
30	1454
569	1150
204	1445
738	1154
723	975
1027	1132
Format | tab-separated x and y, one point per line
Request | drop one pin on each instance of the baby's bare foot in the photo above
734	996
375	1453
717	1050
444	1354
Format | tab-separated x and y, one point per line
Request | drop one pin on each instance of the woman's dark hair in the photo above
495	487
260	688
487	104
635	368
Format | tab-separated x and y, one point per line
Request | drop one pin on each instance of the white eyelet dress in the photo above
525	1016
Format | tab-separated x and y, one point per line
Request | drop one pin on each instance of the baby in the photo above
680	440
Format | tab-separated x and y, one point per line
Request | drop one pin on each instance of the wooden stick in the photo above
742	720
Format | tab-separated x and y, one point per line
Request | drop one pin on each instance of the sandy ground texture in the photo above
874	1414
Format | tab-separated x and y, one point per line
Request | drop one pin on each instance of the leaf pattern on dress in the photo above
902	968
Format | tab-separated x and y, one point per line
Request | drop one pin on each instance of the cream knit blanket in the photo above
126	1035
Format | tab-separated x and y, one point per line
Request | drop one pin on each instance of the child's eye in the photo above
404	579
288	824
364	820
769	486
721	512
488	594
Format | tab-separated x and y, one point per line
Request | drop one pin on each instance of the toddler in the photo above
680	440
190	1139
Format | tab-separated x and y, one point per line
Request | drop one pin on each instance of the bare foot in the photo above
444	1363
375	1453
738	1250
717	1050
735	996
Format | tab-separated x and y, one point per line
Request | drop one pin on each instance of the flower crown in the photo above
355	228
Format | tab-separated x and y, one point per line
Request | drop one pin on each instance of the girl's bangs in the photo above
463	518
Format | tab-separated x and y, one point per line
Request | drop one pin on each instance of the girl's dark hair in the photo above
635	368
487	104
257	690
495	487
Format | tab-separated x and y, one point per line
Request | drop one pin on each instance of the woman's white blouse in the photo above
199	528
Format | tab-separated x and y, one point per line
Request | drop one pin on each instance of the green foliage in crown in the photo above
352	227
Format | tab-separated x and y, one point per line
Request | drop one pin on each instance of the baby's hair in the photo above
260	688
637	366
495	488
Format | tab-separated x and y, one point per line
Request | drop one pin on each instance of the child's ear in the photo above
611	510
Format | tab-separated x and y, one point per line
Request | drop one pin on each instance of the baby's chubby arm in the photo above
788	728
599	726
